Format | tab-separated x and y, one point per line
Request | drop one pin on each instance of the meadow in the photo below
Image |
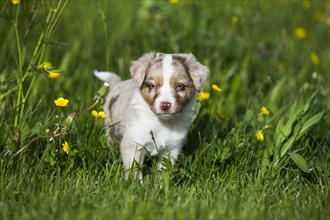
259	147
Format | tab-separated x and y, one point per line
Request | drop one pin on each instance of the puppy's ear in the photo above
196	70
139	67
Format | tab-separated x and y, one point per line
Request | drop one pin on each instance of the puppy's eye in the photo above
180	87
150	85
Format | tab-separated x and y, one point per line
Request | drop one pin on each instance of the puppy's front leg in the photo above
133	158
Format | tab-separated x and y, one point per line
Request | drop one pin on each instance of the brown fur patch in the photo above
182	60
195	70
152	82
182	95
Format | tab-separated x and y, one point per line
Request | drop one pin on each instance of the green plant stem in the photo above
37	54
39	50
59	12
19	98
106	37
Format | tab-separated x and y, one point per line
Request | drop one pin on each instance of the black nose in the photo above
165	106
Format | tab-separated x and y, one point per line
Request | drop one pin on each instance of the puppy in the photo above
152	112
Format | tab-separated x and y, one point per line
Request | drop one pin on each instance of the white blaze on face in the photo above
166	91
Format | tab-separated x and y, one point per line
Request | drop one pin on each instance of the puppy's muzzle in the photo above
165	106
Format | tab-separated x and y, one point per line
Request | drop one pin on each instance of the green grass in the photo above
225	172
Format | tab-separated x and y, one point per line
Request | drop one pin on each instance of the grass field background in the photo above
260	53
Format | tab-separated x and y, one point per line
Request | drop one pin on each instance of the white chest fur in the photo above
157	134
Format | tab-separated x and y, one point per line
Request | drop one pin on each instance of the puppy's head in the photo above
168	82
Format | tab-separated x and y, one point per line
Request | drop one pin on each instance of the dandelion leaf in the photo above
278	131
284	131
308	103
298	110
300	129
310	122
299	161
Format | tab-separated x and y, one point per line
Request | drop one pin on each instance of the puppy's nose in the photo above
165	106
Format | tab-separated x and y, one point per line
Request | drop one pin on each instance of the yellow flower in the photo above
66	147
264	110
47	130
216	88
53	75
328	21
61	102
45	65
300	33
98	115
203	96
234	19
314	58
174	1
260	135
15	2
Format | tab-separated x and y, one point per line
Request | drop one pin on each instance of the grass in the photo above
254	55
101	194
